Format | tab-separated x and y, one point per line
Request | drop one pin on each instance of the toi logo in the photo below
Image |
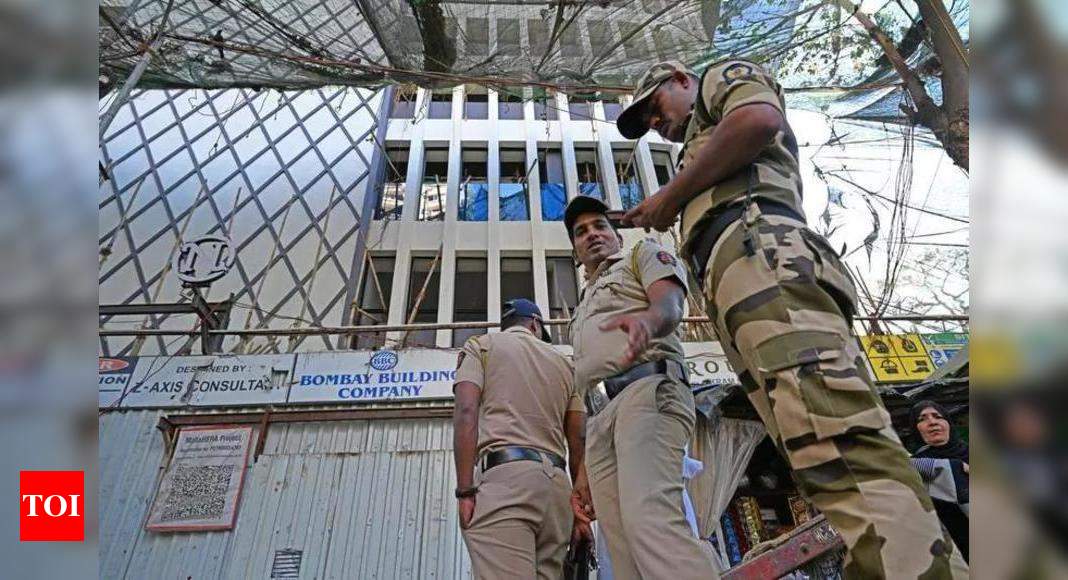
51	506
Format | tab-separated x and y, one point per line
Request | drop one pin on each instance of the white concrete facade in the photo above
492	239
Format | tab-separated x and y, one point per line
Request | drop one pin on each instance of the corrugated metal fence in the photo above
357	499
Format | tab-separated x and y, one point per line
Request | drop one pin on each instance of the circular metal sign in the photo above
203	260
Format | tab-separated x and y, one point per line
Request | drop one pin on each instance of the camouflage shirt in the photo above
726	87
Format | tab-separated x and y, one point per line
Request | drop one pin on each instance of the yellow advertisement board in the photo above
897	357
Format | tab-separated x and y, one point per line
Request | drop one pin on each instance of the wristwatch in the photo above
462	492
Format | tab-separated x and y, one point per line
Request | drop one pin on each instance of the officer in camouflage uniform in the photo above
782	304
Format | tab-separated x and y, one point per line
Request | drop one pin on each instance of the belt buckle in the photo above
596	398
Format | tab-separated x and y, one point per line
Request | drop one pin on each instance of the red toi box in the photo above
52	506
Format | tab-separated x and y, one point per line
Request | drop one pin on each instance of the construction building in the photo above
327	206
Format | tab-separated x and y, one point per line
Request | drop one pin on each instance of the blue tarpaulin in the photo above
592	190
514	206
553	202
474	203
631	194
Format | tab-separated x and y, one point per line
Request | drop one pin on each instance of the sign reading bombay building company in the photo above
201	488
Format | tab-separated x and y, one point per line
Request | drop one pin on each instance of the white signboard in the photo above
707	364
322	377
113	375
160	381
382	375
201	488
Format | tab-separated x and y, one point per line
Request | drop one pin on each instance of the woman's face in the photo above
933	427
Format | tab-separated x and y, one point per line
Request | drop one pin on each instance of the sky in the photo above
871	157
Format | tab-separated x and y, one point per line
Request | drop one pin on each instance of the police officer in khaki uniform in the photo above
782	304
516	416
630	365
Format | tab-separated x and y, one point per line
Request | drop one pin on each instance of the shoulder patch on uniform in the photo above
665	258
460	358
737	71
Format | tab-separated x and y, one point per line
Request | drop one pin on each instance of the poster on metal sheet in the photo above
365	376
160	381
201	488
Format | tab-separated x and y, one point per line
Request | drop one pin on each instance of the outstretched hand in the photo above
639	331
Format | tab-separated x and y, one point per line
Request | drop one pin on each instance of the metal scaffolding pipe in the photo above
331	330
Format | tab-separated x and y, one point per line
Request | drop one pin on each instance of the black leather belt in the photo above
599	395
613	385
707	238
510	454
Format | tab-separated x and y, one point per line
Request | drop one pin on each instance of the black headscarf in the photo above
954	448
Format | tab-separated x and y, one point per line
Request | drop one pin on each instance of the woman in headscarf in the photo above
943	466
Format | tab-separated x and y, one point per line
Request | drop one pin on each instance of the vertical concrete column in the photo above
567	146
537	231
643	161
643	158
450	230
604	157
398	303
493	251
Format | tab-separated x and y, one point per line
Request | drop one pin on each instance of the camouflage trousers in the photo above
781	316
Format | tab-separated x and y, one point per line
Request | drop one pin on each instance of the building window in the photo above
423	304
476	104
537	34
612	110
477	37
474	185
433	194
570	45
509	106
563	294
404	103
553	190
441	104
373	309
580	110
634	46
589	175
545	107
663	166
470	303
508	37
514	196
391	202
517	279
630	187
600	36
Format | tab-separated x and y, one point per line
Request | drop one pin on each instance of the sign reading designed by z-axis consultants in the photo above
160	381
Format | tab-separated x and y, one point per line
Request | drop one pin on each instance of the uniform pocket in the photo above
830	273
816	387
675	399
